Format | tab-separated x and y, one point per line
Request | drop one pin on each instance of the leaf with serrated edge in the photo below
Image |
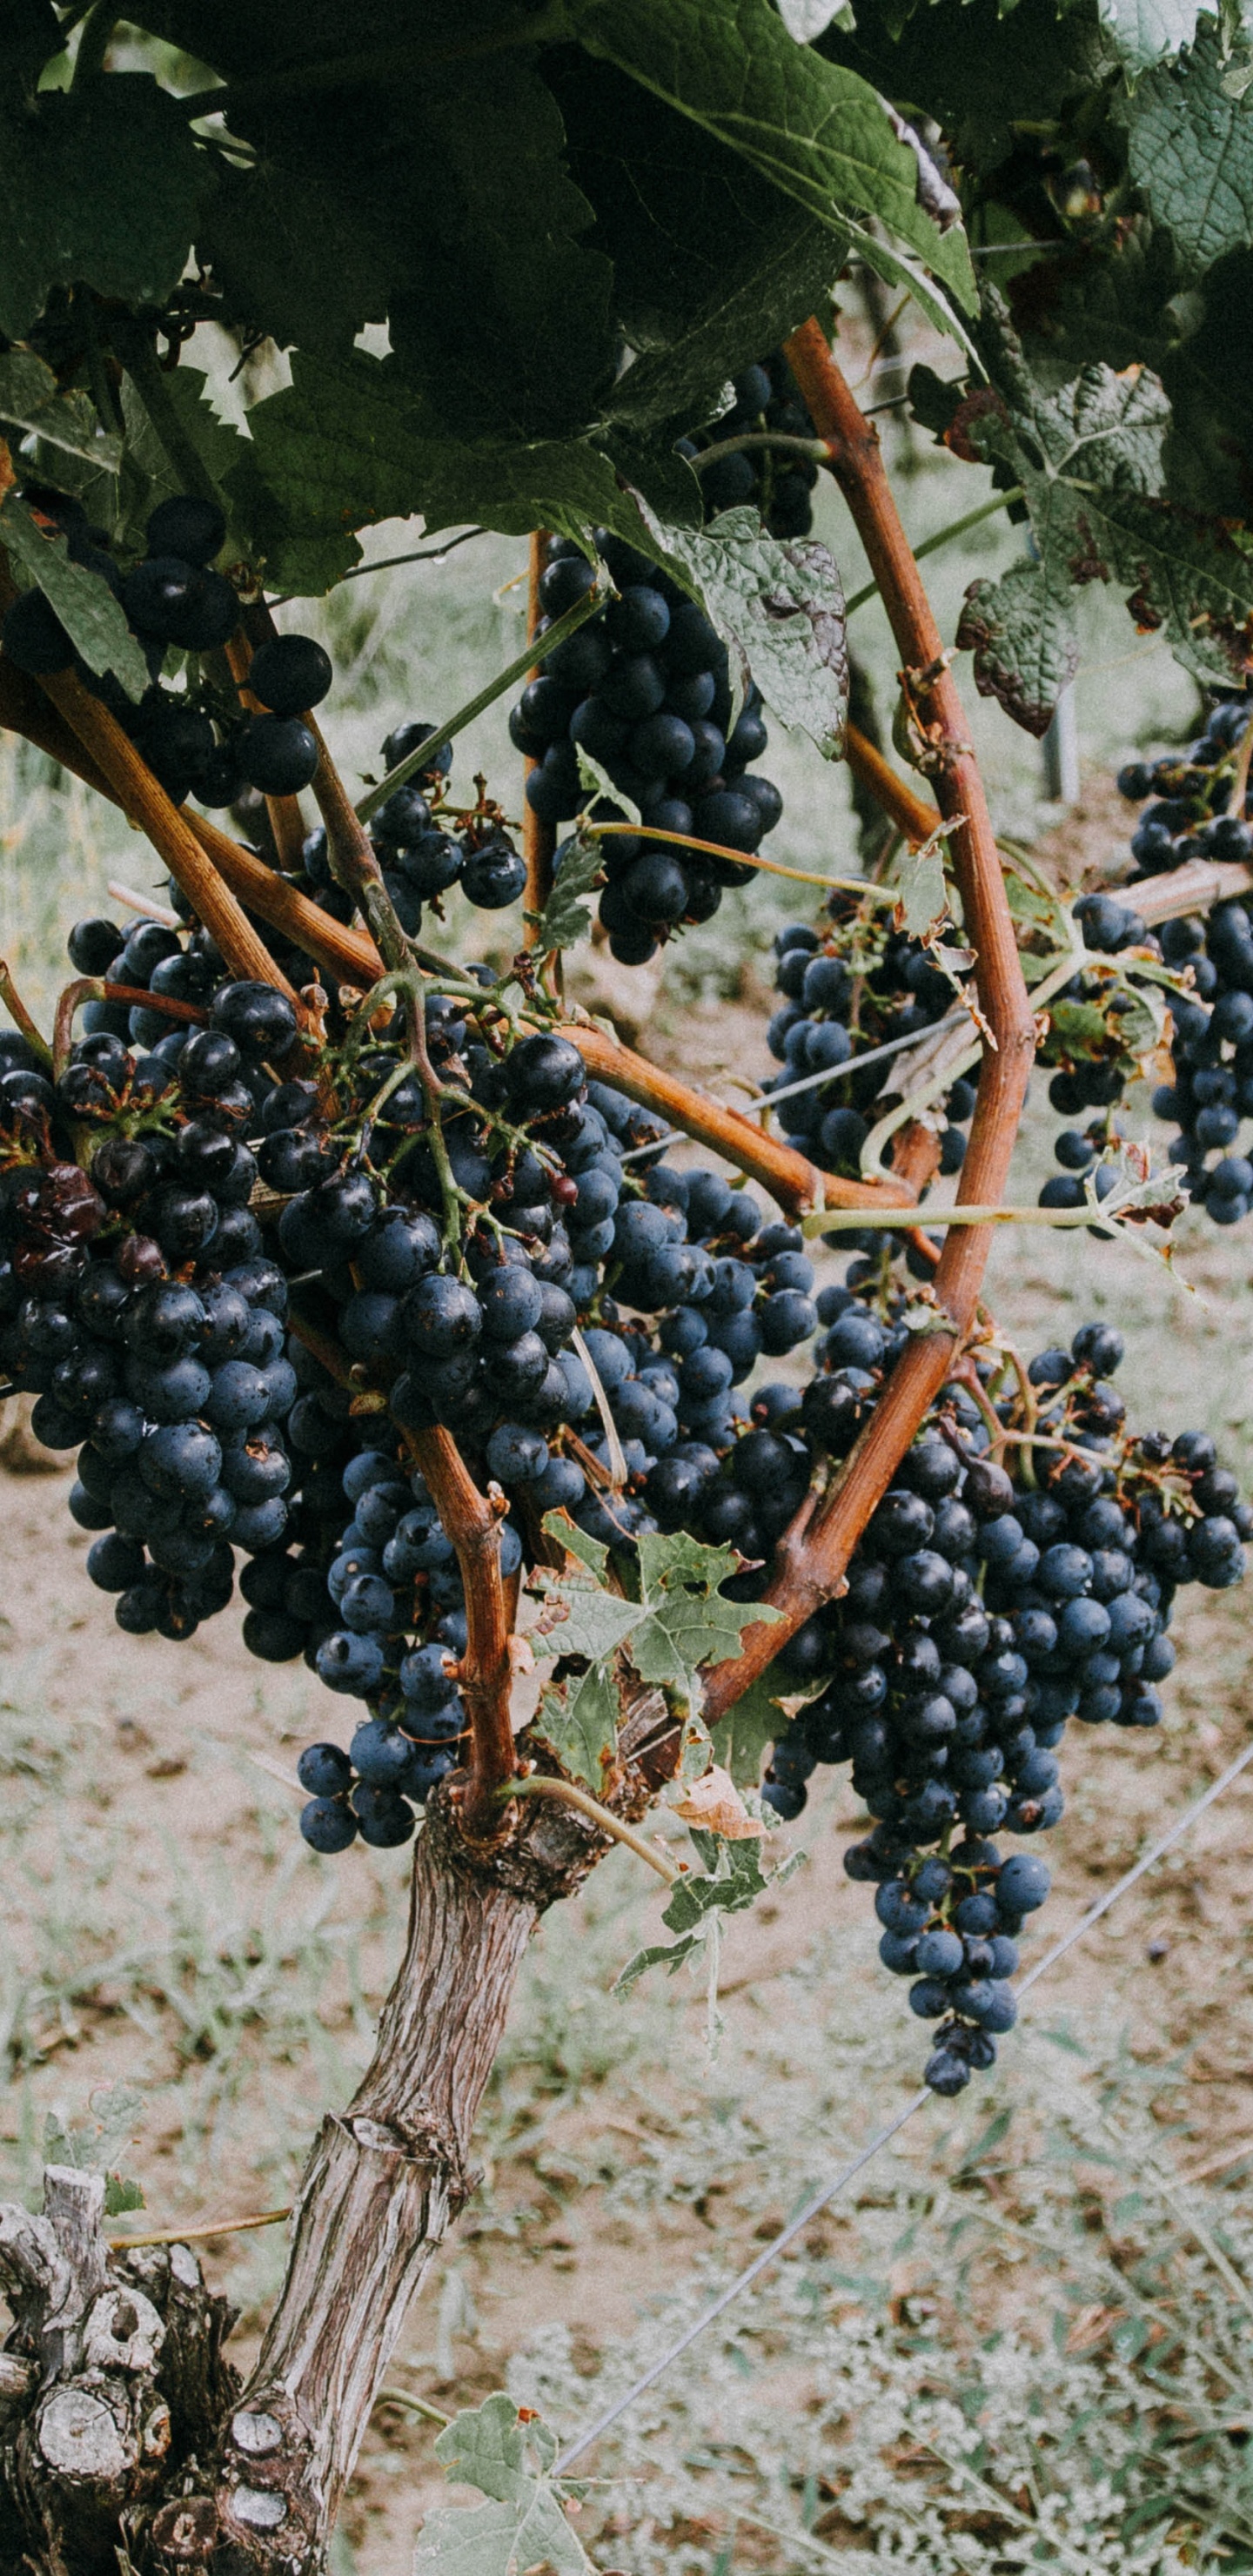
1089	456
580	1720
595	1622
819	132
769	287
347	444
31	399
577	1542
565	918
780	610
99	187
734	1881
601	786
670	1955
83	601
524	2524
688	1622
682	1559
1149	31
1025	643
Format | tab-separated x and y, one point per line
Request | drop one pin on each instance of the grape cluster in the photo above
425	845
856	984
197	741
493	1355
987	1605
775	483
1211	1093
137	1301
644	688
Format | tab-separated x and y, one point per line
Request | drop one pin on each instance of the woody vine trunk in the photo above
122	2427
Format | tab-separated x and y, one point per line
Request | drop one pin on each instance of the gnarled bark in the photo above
121	2424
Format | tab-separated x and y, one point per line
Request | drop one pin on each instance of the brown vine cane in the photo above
814	1553
286	819
352	957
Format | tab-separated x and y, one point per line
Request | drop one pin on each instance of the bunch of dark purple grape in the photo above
851	987
240	1281
987	1605
778	484
197	741
645	689
1210	1095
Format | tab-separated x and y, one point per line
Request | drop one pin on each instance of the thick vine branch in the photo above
902	807
146	801
286	819
795	1182
813	1558
473	1526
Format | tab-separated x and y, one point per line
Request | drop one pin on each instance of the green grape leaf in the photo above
591	1552
754	306
670	1955
348	443
1190	154
83	601
817	131
592	775
31	400
756	1721
121	2193
680	1623
503	252
1025	642
524	2524
1088	454
579	1718
582	1618
1076	1029
687	1621
99	186
732	1880
780	610
1149	31
565	918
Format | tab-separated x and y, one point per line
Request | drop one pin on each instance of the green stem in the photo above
415	2405
815	449
540	646
539	1785
888	895
944	537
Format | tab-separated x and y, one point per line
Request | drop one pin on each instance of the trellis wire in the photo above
810	1081
831	2190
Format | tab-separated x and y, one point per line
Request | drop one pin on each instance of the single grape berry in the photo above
290	673
187	526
